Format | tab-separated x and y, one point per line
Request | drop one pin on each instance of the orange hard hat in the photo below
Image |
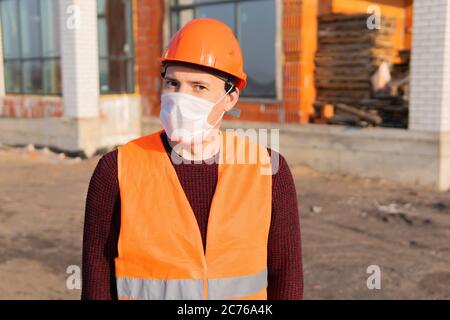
209	43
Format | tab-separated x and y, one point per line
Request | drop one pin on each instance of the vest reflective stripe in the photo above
143	289
219	289
187	289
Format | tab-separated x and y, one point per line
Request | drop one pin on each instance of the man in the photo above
169	216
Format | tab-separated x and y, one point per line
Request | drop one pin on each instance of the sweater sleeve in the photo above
285	268
101	231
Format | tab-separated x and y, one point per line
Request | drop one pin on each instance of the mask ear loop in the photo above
229	90
235	112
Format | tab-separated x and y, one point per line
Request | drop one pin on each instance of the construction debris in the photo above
397	212
374	119
34	152
316	209
381	78
359	68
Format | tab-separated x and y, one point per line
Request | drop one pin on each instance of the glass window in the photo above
253	22
223	12
32	76
31	46
52	75
50	28
115	41
30	22
10	28
101	7
184	17
257	38
13	76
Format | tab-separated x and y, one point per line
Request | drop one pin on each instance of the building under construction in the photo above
355	86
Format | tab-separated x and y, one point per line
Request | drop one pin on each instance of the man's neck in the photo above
199	151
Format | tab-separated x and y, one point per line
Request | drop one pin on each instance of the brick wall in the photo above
149	16
27	106
264	111
292	24
430	67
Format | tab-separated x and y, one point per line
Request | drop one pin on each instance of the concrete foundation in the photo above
118	123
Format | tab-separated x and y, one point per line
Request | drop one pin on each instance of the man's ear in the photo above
232	99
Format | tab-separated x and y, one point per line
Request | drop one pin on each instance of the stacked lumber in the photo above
348	55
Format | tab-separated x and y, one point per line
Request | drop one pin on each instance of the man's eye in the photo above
200	87
171	83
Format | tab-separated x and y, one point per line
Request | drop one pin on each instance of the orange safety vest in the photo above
160	249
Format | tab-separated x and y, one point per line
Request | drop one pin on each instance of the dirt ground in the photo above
347	224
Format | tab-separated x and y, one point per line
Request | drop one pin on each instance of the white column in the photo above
430	67
79	58
2	68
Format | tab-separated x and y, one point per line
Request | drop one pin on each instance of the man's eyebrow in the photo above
199	82
171	79
167	78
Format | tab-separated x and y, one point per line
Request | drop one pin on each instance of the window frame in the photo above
174	8
42	58
129	59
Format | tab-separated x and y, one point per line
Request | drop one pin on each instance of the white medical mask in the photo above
185	117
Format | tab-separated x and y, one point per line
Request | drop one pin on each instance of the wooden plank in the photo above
375	119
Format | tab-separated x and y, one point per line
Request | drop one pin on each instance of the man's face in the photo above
201	85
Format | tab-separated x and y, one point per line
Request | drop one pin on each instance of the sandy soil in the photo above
347	225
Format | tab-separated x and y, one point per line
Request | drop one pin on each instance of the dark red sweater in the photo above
102	225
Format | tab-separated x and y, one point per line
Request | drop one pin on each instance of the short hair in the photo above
230	80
